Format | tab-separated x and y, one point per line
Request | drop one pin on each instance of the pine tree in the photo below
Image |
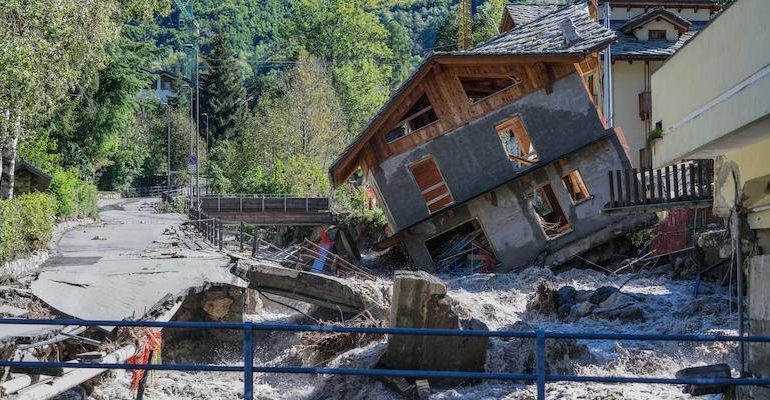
224	98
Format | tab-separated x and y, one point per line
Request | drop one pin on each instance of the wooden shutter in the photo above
432	186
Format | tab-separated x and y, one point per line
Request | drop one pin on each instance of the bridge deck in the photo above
263	210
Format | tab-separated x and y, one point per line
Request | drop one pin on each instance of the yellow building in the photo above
712	100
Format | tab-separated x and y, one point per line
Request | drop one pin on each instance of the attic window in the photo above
477	89
516	142
656	34
420	115
548	212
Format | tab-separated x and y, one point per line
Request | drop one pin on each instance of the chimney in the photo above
568	30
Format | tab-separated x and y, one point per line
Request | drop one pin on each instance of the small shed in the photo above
29	178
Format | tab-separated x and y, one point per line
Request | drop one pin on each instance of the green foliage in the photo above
26	224
338	30
224	96
654	134
176	206
351	203
74	198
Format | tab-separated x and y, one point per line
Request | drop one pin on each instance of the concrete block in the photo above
758	298
420	301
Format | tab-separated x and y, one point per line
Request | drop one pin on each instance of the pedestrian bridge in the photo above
261	209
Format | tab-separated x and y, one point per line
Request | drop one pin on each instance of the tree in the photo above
46	47
338	31
224	95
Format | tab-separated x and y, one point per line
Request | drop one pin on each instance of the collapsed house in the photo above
496	155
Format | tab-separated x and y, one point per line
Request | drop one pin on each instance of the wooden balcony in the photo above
684	185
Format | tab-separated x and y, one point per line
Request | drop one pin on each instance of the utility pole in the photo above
168	149
208	154
197	128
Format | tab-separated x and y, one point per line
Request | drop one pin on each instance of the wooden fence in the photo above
688	183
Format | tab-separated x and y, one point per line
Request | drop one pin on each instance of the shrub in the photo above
74	197
26	224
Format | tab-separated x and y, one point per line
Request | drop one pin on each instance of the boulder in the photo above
623	313
581	310
616	299
601	294
567	295
583	295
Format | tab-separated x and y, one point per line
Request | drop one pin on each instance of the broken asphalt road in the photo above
123	265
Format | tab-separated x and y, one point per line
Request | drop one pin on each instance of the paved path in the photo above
123	265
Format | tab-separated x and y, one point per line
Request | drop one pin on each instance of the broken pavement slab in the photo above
347	295
126	275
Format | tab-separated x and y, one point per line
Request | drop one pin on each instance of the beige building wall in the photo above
711	92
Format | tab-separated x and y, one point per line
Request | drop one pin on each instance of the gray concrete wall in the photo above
471	158
510	223
758	299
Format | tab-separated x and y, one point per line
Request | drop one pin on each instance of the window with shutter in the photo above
432	185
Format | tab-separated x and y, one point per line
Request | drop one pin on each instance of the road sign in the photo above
192	160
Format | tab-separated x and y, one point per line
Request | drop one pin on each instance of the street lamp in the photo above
197	123
168	150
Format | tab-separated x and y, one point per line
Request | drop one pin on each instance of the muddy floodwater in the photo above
500	302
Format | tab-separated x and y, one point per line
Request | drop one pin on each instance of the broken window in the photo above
432	185
548	211
656	34
576	187
420	115
462	250
516	142
480	88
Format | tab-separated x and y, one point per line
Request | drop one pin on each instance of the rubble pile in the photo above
568	303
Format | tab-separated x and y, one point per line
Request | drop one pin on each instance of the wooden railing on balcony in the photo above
645	105
686	184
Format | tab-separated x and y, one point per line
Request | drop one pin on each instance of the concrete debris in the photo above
423	389
420	300
602	294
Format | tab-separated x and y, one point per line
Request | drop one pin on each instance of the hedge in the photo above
26	224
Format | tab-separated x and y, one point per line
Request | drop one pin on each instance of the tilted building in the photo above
498	153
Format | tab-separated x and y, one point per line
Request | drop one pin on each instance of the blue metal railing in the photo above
540	377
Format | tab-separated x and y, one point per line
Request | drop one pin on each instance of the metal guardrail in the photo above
151	191
540	377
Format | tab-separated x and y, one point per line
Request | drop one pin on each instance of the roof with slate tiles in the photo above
544	36
523	13
655	13
628	47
